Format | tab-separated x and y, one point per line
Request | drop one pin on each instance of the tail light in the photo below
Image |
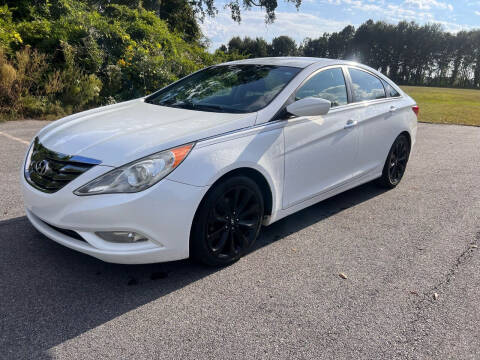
416	109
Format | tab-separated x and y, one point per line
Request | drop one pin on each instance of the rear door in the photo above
320	151
374	113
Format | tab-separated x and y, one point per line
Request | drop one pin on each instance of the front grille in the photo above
49	171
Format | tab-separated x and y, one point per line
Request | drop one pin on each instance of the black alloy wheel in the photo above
396	162
228	222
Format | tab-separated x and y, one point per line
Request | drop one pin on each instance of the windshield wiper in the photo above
201	107
208	107
218	108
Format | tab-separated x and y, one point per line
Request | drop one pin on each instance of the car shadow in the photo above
50	294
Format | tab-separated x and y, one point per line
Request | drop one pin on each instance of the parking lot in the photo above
410	257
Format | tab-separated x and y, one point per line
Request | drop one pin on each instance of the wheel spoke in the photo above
224	206
233	250
215	234
249	224
217	217
223	240
244	202
250	211
236	197
397	172
243	239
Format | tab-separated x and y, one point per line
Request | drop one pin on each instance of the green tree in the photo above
407	52
247	47
315	47
283	46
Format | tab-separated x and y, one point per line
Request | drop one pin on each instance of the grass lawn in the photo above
446	106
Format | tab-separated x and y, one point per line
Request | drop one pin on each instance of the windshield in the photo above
226	88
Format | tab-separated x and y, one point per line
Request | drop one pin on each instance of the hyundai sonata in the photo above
196	168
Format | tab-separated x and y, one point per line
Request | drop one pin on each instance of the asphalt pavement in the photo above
410	257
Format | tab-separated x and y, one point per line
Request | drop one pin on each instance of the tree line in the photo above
408	53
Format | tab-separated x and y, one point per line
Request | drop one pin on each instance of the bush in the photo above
65	56
21	80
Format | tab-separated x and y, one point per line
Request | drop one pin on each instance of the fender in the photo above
212	158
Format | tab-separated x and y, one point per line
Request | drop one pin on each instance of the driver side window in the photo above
328	84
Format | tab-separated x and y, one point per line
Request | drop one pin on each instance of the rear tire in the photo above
228	222
396	163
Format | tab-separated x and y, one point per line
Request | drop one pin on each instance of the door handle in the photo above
350	124
393	109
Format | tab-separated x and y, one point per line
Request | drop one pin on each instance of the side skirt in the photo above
323	196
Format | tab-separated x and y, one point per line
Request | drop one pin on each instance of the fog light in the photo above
123	237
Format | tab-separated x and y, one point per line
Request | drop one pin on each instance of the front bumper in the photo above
164	213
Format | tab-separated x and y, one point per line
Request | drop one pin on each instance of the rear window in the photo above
365	86
391	92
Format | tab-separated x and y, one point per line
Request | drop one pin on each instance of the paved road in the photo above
284	300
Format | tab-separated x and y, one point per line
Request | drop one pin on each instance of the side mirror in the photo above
310	106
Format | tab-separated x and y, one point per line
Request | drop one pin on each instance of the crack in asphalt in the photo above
462	259
414	331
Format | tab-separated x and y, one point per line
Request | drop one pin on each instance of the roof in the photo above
300	62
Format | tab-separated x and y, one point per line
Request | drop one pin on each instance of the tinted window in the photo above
227	88
391	92
327	84
366	86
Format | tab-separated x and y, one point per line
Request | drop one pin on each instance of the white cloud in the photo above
297	25
477	13
347	2
389	12
429	4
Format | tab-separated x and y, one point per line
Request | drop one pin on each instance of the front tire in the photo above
227	222
396	163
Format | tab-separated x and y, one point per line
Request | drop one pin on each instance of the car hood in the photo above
124	132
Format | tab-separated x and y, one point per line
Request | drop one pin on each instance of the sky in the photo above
318	16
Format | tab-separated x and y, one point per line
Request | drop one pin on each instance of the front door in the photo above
320	151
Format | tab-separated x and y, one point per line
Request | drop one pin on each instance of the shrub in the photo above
63	56
21	79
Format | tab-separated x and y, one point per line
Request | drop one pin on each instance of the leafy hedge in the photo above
68	56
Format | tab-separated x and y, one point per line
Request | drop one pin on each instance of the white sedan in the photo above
196	168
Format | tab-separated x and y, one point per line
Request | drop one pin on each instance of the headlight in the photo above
138	175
